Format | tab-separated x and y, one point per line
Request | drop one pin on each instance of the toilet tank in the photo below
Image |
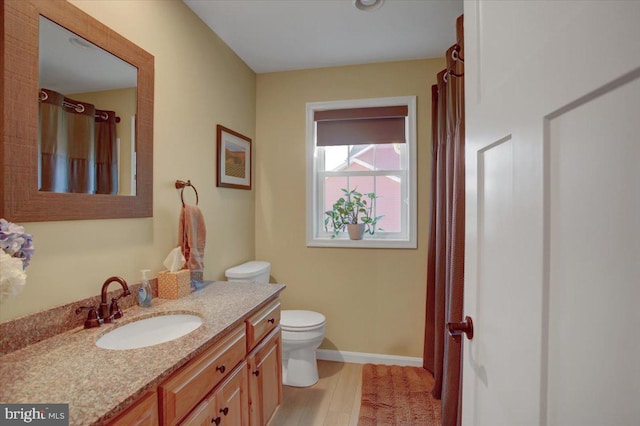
254	272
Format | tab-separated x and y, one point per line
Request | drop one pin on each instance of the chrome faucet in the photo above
109	314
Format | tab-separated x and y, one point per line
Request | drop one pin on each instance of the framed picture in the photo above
234	159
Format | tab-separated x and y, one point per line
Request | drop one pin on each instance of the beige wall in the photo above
199	82
374	299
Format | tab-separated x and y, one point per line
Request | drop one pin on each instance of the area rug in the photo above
394	395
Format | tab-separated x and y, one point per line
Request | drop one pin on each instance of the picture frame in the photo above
233	154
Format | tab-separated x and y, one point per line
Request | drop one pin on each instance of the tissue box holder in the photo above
174	285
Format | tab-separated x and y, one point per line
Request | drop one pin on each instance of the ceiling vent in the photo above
368	5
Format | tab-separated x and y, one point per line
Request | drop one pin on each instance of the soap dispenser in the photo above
144	292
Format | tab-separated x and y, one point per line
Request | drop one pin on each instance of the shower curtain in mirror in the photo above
106	153
77	146
445	277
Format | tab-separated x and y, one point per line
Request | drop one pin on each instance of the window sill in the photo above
364	243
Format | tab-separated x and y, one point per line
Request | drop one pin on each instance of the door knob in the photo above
457	328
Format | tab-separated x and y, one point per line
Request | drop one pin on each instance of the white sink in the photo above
149	331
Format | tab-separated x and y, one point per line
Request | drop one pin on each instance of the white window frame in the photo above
315	217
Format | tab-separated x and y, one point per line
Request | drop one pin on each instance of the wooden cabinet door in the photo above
265	379
232	401
203	414
142	413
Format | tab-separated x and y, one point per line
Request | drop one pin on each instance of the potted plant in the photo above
353	212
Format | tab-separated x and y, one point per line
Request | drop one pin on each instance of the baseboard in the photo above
366	358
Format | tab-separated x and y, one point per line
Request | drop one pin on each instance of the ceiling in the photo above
279	35
70	64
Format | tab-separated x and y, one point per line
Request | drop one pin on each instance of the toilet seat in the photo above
299	320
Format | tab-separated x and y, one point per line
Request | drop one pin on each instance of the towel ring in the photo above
180	184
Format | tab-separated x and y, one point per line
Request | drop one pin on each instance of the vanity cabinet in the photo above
224	385
160	384
265	379
143	412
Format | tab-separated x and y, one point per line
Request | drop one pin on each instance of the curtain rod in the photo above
455	55
79	108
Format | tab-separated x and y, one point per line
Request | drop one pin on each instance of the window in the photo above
368	145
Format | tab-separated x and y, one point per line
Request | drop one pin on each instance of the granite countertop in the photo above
98	383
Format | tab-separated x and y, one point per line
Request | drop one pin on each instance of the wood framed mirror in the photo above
21	199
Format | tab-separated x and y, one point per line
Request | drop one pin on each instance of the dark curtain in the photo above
80	129
445	279
52	144
77	146
106	153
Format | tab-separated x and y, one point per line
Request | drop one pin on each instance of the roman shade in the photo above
361	126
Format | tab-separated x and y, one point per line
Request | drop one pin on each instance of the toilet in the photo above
302	331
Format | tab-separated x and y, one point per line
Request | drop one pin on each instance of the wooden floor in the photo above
333	401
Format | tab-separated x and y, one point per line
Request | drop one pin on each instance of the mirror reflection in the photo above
87	104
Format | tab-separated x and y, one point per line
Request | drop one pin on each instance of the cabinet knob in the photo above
224	410
256	373
271	320
221	368
216	420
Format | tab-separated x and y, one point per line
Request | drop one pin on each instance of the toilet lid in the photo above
301	320
248	269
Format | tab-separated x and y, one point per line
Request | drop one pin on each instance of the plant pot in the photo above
355	231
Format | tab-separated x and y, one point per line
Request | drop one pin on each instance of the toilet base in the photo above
300	368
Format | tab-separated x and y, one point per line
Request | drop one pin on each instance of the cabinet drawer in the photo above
189	385
262	322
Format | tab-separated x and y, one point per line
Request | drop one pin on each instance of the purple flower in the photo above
15	242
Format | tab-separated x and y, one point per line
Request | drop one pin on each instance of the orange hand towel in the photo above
192	236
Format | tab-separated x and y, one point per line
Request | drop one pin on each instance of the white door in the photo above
553	213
